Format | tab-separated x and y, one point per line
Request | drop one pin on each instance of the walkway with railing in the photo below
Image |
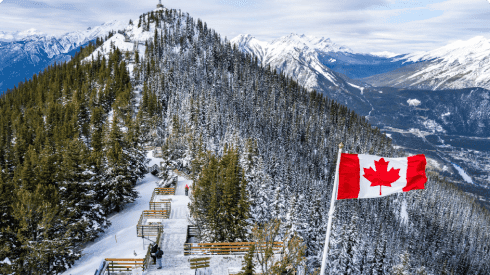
166	223
174	235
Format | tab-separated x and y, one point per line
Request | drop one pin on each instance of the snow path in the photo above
122	229
174	233
175	230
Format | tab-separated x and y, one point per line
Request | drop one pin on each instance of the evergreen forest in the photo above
258	146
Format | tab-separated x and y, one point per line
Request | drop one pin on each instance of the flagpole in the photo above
330	212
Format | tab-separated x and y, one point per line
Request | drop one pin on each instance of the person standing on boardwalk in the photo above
153	251
159	255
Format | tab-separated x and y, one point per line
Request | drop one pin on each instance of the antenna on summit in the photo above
159	5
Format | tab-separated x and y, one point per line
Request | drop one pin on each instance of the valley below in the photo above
443	125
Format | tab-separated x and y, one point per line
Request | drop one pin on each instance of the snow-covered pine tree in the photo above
119	181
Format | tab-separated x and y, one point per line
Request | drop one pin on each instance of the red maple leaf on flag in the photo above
381	177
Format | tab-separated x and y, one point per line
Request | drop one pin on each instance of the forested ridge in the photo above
71	149
70	155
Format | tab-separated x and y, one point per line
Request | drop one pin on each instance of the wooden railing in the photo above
155	214
157	151
151	229
191	232
148	230
228	248
123	264
163	204
147	262
199	262
164	191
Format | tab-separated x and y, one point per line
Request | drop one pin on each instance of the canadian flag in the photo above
367	176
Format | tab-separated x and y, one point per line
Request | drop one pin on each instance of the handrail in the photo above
123	264
229	248
101	269
164	191
160	205
147	261
196	263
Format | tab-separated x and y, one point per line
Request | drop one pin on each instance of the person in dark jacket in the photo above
153	250
159	255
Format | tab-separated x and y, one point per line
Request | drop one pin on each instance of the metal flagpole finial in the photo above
341	145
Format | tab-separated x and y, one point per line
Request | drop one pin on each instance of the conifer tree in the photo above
220	200
118	182
248	269
403	268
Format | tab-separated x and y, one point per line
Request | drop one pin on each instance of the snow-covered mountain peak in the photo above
23	35
460	51
248	43
30	32
296	55
307	42
243	38
98	31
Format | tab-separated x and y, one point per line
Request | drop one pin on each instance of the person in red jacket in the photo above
186	190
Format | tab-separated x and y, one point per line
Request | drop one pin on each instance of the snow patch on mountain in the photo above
358	87
463	174
433	126
413	102
132	38
386	54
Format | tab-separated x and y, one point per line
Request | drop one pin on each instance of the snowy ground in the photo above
120	240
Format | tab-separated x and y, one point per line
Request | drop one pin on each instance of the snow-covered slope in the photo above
386	54
458	65
24	53
298	56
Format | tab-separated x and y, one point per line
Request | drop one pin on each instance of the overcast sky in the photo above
398	26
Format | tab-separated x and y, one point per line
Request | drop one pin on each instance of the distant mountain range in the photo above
459	65
319	63
23	54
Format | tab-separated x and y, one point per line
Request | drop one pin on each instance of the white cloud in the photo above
397	26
